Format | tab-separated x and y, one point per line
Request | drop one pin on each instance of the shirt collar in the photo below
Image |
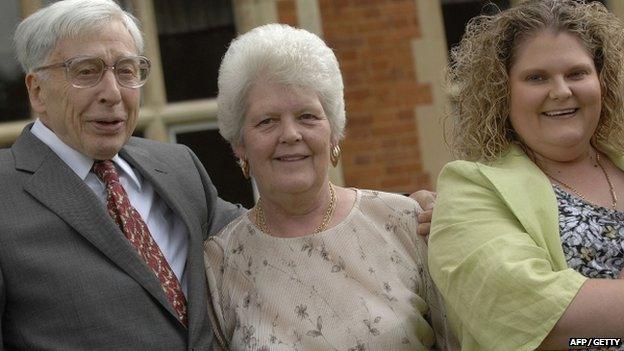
78	162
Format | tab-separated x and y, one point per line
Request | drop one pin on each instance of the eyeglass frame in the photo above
65	64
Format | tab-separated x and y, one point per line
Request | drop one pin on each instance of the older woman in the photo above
312	266
528	231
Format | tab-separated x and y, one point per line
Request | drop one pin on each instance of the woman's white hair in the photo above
36	36
285	55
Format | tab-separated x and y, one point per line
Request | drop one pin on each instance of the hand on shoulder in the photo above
426	200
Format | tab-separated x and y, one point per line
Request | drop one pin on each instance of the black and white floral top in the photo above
361	285
592	236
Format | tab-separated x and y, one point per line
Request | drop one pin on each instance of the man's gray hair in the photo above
281	54
36	36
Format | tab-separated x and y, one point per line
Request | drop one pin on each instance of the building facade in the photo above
392	54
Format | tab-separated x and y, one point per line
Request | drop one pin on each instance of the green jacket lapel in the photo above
529	195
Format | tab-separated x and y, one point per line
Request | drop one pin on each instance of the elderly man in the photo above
100	233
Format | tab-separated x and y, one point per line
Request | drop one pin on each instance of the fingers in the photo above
425	216
424	224
425	198
423	229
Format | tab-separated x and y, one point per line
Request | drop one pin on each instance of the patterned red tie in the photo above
135	229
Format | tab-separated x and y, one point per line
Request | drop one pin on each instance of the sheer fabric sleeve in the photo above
213	262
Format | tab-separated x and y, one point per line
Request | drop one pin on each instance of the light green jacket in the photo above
495	252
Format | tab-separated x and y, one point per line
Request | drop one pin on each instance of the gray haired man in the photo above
100	233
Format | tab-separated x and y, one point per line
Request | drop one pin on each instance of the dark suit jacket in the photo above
69	280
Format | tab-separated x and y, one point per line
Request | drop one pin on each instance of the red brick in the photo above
363	159
373	41
396	184
406	115
358	133
404	168
287	12
357	94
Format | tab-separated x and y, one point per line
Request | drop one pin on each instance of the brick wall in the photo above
372	40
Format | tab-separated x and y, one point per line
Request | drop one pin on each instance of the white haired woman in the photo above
312	266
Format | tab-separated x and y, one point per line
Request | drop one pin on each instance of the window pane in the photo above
13	97
458	12
217	157
193	37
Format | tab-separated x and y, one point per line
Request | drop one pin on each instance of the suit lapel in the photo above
58	188
167	185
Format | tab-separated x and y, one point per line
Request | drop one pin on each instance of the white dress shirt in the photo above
166	227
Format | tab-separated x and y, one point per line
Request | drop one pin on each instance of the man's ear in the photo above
33	85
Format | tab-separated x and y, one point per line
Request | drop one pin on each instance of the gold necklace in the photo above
329	212
604	171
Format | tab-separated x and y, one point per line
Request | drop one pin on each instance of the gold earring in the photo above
244	165
334	155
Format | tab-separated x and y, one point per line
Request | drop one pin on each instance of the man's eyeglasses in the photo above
87	71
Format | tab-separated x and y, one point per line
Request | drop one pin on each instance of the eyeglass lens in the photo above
86	72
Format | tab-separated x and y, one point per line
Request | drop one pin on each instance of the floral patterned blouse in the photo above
592	236
361	285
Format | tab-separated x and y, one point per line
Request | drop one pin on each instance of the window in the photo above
457	13
13	96
193	36
218	159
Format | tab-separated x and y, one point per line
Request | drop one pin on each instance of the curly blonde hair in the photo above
478	80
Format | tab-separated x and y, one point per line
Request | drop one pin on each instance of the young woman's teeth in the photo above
560	112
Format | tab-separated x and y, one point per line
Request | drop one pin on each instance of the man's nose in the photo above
109	87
